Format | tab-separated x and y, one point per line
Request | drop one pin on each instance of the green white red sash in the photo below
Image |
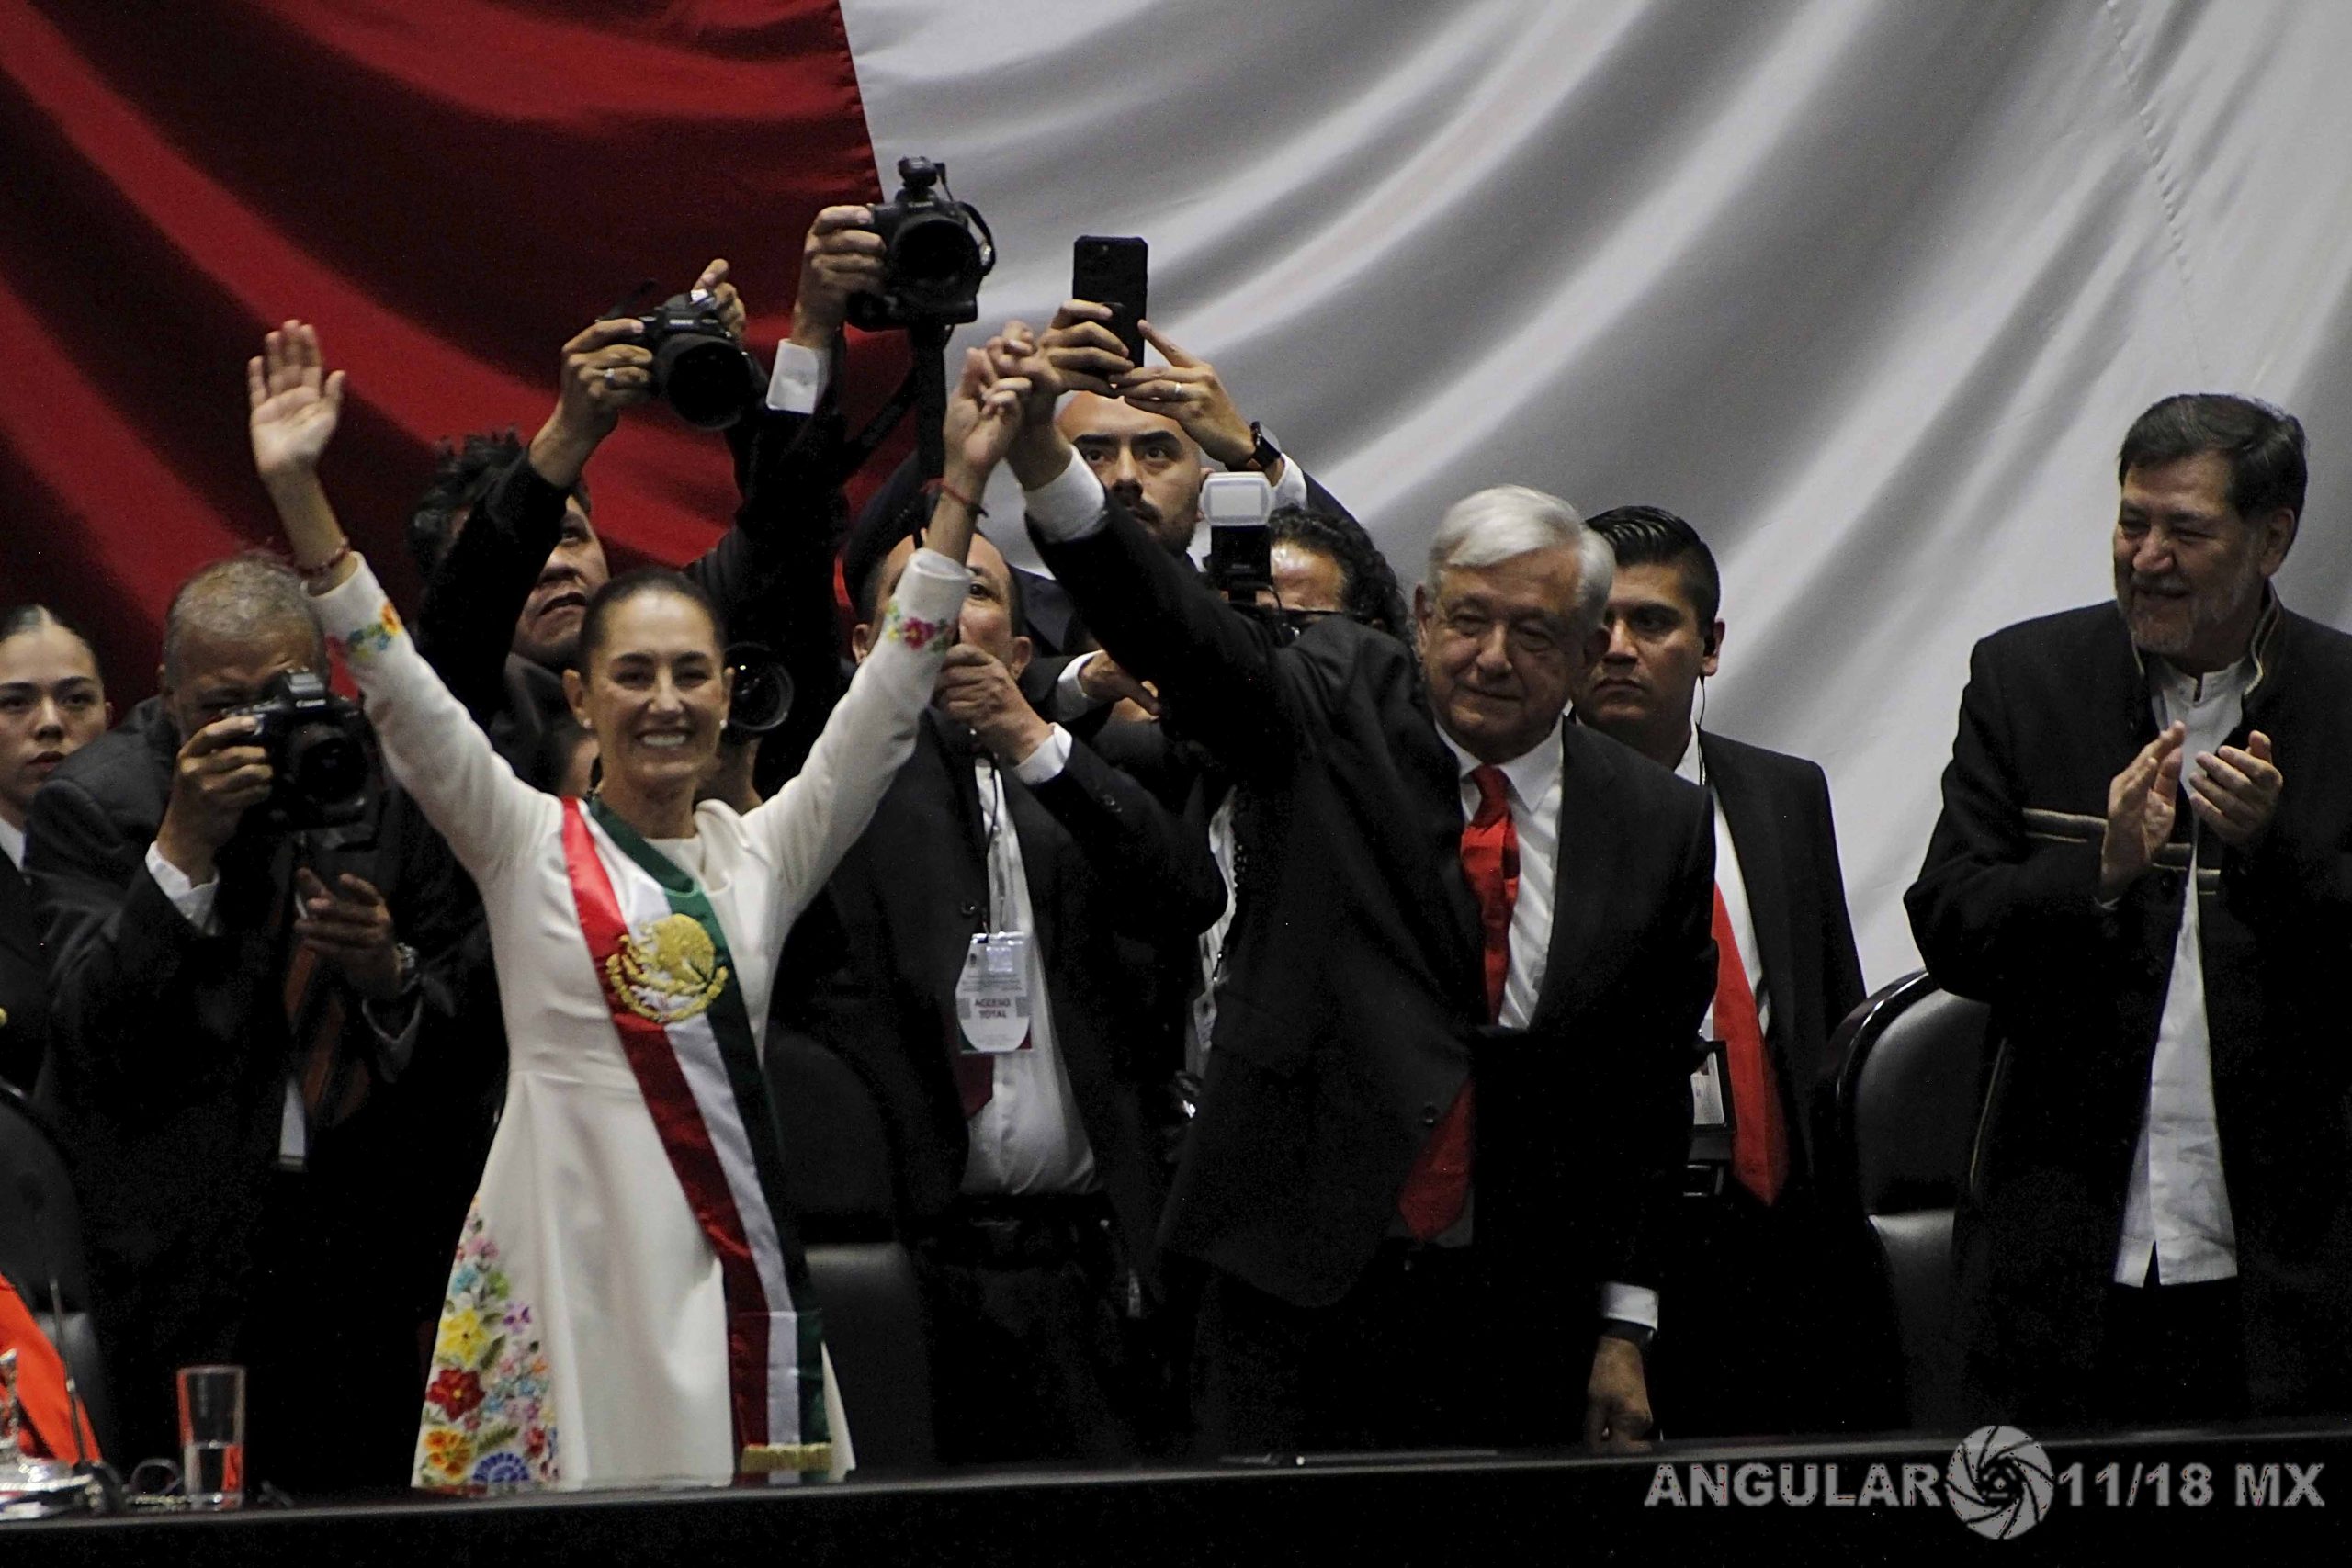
671	983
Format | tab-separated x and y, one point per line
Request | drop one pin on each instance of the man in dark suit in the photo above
243	1052
1757	1271
2141	865
510	553
1448	1095
1027	1155
52	703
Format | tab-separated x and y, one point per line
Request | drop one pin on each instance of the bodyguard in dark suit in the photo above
1030	1178
2141	866
246	1198
52	703
1757	1270
1396	1261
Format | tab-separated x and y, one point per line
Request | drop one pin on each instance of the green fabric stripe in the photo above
810	1326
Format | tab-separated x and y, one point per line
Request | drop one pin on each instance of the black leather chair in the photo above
837	1174
1910	1093
40	1237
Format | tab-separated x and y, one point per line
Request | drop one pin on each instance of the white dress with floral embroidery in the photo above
583	1338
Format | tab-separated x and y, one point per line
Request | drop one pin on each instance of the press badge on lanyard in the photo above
992	993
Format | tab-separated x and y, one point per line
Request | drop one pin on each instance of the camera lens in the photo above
937	253
325	764
709	380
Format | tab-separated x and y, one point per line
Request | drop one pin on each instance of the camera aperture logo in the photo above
1999	1483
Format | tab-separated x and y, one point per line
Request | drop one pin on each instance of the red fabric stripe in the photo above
449	190
683	1136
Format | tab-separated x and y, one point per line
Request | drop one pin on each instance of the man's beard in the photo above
2171	637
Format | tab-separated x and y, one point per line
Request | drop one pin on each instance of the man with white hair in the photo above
1448	1100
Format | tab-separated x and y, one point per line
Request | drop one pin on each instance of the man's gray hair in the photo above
246	597
1495	525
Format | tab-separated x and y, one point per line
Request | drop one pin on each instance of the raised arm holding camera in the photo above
505	535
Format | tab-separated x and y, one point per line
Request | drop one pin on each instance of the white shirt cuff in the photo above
193	900
1069	507
1069	699
1630	1303
797	383
1292	489
1046	762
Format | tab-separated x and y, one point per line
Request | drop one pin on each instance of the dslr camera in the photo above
698	370
936	251
762	692
317	746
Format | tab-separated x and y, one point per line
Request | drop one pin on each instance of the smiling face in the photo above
1145	459
654	693
51	704
2188	567
548	631
1640	689
1500	648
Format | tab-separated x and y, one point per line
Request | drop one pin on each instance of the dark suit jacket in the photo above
771	576
23	982
2005	910
1352	1004
1777	807
1100	859
170	1055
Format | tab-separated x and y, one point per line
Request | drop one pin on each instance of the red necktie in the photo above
1439	1183
1759	1143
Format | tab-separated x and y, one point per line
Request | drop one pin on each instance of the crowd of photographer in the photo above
1291	1033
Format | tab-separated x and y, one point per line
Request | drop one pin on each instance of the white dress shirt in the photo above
12	843
1028	1138
2177	1209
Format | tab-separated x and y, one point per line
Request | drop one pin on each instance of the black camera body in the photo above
935	251
762	697
698	368
317	746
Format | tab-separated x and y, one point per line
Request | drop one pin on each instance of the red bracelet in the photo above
313	573
974	507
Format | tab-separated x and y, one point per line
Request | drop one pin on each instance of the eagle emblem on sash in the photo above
667	970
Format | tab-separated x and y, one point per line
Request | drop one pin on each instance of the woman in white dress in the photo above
627	1302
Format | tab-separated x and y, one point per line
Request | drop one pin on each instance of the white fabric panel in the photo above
1868	291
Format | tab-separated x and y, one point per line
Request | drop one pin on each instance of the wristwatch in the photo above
1264	453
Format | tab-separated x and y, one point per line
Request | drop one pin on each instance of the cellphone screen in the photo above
1113	271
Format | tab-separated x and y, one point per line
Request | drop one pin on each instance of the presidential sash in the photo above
671	983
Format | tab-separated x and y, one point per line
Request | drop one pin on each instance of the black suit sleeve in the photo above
1842	989
1994	910
1655	1131
1163	884
466	626
1157	617
772	575
121	956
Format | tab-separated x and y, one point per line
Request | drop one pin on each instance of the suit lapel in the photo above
1765	868
16	933
1584	869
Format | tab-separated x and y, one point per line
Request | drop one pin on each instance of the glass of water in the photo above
212	1435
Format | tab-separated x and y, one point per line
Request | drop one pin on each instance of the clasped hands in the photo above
2233	790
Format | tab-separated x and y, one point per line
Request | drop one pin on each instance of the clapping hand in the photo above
2139	809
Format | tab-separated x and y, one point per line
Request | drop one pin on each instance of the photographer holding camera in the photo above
249	941
505	541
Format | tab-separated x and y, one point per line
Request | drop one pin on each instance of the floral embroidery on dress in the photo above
488	1418
912	630
374	637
